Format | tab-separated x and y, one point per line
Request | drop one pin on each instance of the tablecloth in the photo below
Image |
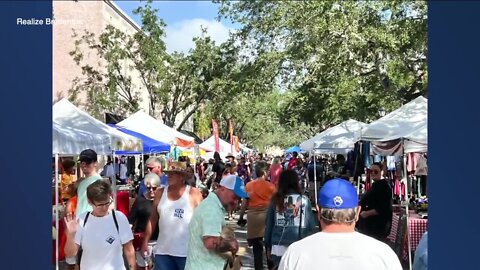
417	227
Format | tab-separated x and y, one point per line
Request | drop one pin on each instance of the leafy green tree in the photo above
341	59
177	83
109	86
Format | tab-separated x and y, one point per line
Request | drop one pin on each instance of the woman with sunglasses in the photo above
102	235
377	211
139	216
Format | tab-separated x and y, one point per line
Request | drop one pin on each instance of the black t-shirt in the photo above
341	170
139	215
311	171
379	197
218	168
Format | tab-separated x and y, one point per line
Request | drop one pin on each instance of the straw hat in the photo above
177	166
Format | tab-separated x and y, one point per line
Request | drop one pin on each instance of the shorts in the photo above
71	260
144	262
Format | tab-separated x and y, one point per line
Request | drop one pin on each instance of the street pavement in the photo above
244	251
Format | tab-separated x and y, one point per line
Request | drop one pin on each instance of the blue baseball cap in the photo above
338	194
234	183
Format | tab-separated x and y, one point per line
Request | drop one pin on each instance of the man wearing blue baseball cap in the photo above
205	242
338	246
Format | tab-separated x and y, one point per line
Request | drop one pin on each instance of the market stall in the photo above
399	133
73	131
339	139
145	124
341	133
209	146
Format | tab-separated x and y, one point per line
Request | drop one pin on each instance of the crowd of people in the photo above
178	219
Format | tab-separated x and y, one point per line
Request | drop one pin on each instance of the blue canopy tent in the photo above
294	149
149	145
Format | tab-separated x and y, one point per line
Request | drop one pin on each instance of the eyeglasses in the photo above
152	188
151	168
104	204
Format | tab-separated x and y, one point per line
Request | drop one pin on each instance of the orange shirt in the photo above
260	192
66	180
72	205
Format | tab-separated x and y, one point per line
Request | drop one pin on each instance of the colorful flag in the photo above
215	135
230	130
236	143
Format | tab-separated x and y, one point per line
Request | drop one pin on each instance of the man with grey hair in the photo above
338	246
154	165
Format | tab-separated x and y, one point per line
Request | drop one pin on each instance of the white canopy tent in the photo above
339	139
209	155
417	140
336	140
145	124
408	126
309	144
71	141
209	145
398	123
67	115
70	125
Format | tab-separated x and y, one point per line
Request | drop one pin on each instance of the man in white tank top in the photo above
172	209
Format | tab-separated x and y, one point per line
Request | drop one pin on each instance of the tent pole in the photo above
114	182
360	144
142	166
407	211
57	216
77	175
315	176
355	170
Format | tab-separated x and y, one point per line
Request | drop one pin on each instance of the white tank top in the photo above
173	223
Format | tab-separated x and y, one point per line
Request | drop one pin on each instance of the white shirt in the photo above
101	243
173	224
339	251
123	171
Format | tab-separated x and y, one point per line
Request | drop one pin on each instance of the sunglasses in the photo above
151	168
104	204
152	188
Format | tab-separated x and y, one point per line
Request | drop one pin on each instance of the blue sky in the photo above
184	20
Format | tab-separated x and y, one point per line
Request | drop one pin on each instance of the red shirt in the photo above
292	163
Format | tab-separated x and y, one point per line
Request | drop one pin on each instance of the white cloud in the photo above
179	35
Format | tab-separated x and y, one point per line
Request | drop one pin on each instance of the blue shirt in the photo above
421	254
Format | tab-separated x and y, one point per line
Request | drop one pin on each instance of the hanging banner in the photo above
237	144
230	130
215	135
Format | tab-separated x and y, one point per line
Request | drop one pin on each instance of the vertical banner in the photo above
230	130
215	135
236	143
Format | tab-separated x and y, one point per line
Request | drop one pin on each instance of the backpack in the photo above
80	251
114	220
